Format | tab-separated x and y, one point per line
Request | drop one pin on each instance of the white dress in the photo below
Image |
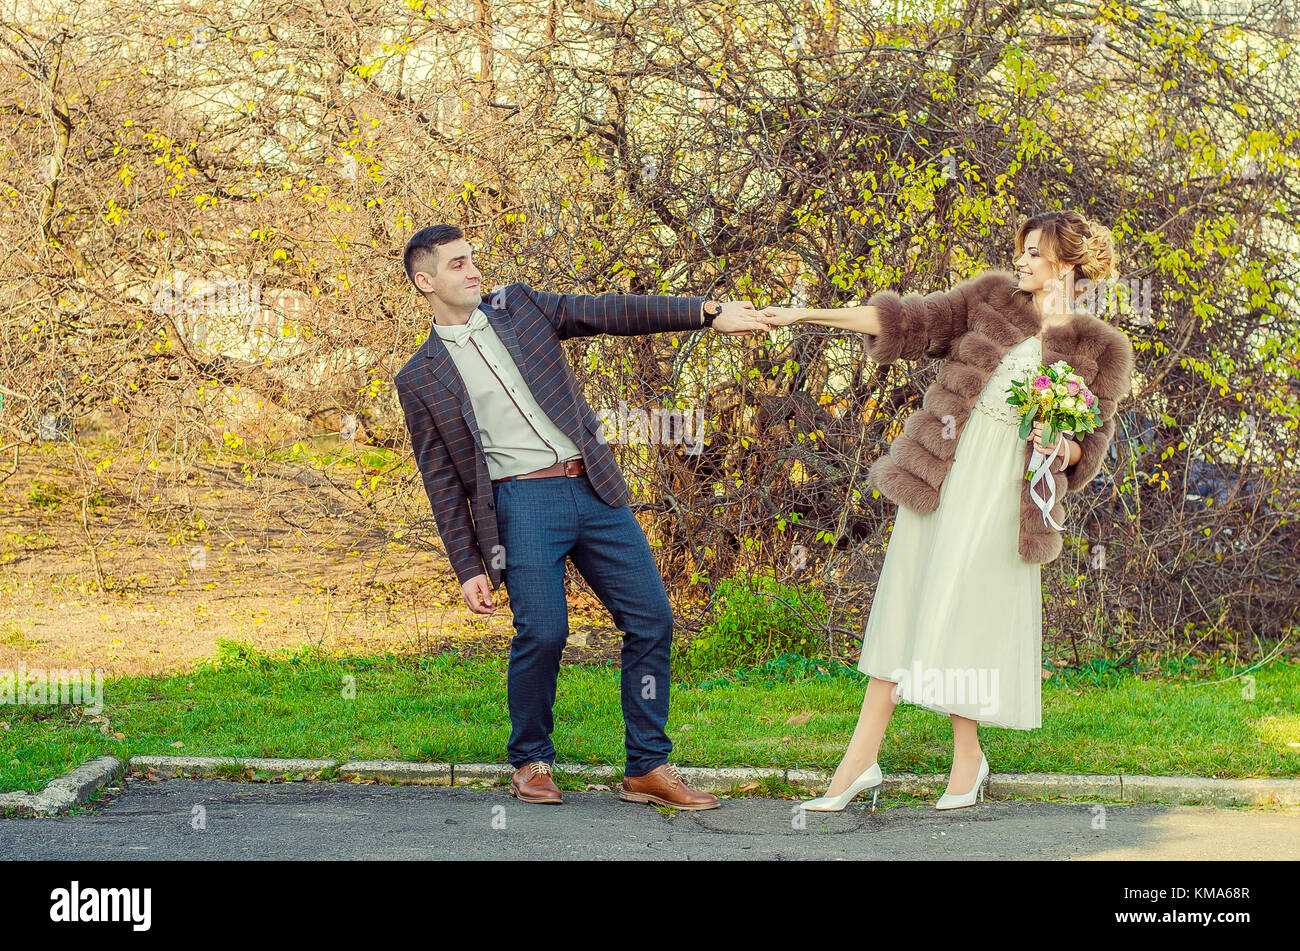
957	617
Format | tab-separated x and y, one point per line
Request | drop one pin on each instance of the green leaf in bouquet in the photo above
1027	422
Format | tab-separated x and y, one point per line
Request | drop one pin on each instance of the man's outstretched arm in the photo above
581	315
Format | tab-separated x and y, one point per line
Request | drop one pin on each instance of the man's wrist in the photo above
709	311
472	573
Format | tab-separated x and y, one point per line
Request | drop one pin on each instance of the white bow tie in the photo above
461	333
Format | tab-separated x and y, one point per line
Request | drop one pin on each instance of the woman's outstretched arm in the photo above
864	319
908	327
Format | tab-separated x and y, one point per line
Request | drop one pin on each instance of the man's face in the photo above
456	281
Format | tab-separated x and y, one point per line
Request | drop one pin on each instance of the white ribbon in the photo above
1040	468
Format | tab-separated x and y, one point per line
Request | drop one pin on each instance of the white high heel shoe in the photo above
948	801
870	779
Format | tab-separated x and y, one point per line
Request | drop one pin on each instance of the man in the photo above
518	481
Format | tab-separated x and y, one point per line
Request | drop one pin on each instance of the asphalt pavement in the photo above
206	819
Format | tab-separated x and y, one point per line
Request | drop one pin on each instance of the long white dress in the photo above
957	617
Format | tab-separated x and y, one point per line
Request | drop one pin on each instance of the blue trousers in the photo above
541	522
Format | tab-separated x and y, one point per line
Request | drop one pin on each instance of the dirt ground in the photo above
155	574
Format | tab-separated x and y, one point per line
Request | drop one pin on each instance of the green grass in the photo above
450	708
321	452
51	496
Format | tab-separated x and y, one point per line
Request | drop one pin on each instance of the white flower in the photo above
1067	403
1059	389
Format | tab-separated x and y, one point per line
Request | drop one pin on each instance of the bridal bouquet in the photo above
1058	397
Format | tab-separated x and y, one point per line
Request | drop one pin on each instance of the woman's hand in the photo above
781	316
1067	455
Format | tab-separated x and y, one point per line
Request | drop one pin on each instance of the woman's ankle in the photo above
856	768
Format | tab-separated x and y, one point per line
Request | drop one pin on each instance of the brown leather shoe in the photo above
532	783
665	786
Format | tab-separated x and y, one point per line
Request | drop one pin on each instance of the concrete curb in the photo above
397	771
77	786
64	792
220	765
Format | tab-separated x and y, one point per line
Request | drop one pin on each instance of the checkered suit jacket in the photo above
440	417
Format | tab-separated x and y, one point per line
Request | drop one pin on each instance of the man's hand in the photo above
478	594
738	317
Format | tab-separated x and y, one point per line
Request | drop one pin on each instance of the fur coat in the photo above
971	327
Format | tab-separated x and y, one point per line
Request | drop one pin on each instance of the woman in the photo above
956	621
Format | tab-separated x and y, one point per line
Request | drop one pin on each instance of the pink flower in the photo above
1042	383
1072	388
1087	397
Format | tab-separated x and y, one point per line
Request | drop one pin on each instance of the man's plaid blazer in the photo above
440	416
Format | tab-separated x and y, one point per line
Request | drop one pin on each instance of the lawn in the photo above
1198	720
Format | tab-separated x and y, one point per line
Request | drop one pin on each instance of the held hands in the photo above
738	317
774	316
476	590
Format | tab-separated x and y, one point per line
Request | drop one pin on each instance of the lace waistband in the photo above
1007	414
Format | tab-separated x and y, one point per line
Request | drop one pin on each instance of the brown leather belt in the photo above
569	467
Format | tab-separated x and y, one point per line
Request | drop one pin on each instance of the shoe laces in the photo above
676	776
540	767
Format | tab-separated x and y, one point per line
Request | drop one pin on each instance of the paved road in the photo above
334	820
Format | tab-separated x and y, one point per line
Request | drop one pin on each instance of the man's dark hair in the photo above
422	250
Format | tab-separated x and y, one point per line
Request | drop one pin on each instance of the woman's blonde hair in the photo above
1070	238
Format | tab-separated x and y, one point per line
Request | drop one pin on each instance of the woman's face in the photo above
1036	272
